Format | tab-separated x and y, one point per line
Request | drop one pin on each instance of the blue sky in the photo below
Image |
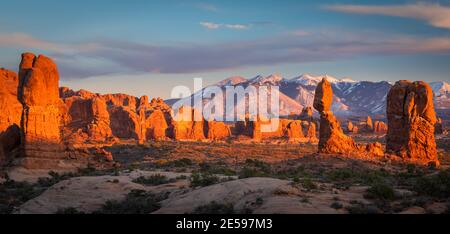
147	47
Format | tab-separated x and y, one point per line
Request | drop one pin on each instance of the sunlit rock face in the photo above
41	117
411	121
10	113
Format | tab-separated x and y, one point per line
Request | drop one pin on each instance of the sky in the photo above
147	47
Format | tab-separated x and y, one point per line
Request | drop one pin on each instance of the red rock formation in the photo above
310	131
369	124
218	130
352	128
125	123
121	100
185	127
9	140
380	127
375	149
332	138
294	131
41	117
156	125
307	114
411	120
11	108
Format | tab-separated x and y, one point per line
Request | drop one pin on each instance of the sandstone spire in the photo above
411	121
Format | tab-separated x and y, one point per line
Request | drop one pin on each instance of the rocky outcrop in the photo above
9	141
294	131
185	127
332	138
411	120
307	114
125	123
369	124
218	130
87	121
11	108
351	128
380	127
156	126
41	118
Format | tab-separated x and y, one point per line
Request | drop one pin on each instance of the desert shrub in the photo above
136	202
222	169
437	185
203	179
362	176
380	191
69	210
336	205
184	162
307	183
13	194
156	179
358	207
214	208
255	168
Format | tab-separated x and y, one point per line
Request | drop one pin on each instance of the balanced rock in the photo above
332	138
411	120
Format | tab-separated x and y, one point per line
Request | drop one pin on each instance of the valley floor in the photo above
198	177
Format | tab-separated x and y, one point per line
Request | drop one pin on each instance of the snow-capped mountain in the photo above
441	92
351	98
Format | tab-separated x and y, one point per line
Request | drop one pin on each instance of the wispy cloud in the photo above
207	7
26	41
434	14
211	25
113	56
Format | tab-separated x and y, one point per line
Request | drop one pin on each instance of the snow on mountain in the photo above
311	80
231	81
440	88
351	98
270	80
441	92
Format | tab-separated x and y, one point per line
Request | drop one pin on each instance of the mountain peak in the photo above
261	80
231	81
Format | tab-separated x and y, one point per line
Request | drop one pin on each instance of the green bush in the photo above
380	191
437	185
203	179
255	168
136	202
156	179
